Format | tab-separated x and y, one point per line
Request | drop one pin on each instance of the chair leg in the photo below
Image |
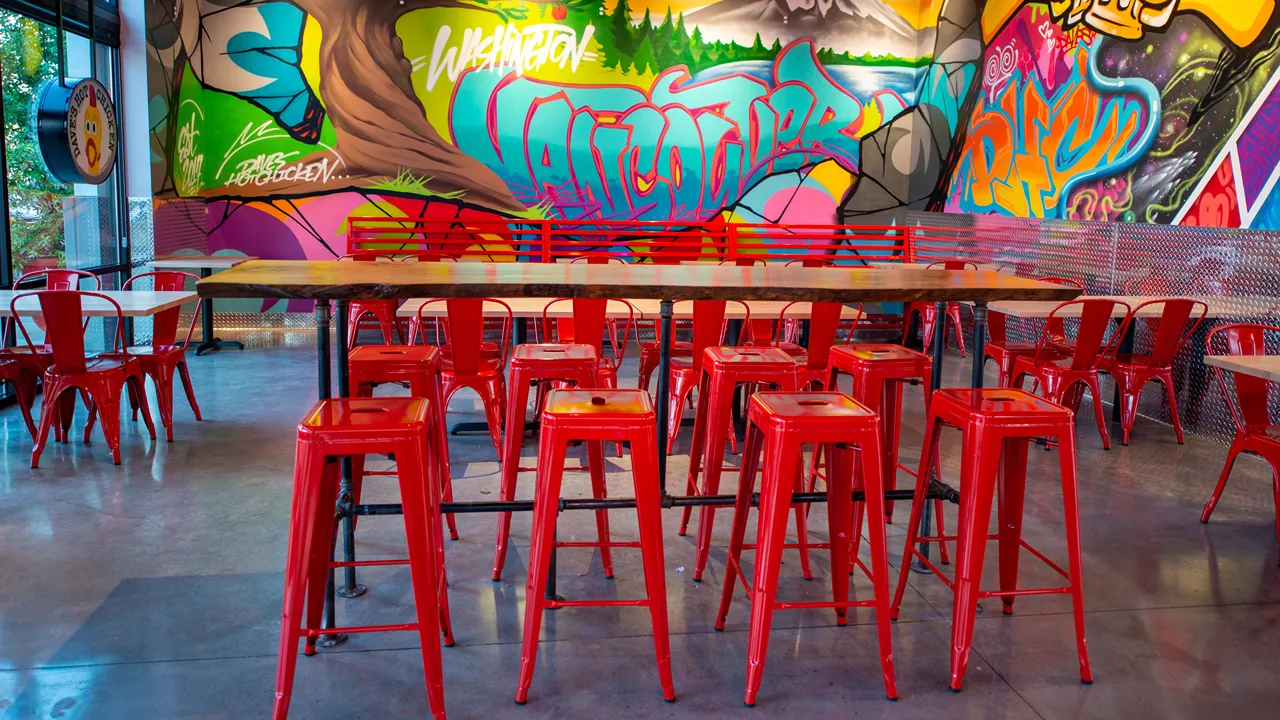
491	399
1130	395
1098	413
185	375
139	385
163	380
25	403
649	512
1166	379
48	416
953	312
1237	446
599	491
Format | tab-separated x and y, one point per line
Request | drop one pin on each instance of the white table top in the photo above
134	303
1218	307
1266	367
523	307
212	262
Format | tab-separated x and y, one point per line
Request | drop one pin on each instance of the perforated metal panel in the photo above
1129	259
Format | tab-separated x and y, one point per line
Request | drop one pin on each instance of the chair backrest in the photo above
1251	395
953	265
1091	342
585	327
60	279
1057	330
744	261
598	259
824	323
62	311
708	327
164	325
464	327
1178	320
996	329
816	261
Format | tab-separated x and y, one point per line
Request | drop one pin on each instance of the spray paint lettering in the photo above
526	49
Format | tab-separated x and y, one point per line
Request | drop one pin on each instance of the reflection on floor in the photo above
152	590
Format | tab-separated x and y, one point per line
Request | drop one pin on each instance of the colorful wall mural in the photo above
288	117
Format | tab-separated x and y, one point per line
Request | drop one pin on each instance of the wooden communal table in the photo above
133	303
1266	367
343	282
206	264
641	309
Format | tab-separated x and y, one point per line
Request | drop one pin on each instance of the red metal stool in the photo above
355	427
597	416
419	366
537	364
782	423
997	424
723	369
879	372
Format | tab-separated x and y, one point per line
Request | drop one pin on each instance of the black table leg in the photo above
939	348
979	343
209	343
1126	346
325	392
666	310
350	588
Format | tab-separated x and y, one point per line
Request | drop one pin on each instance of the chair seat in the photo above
143	351
1132	360
486	365
102	362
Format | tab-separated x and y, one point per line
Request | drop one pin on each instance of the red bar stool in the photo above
997	424
596	416
709	326
722	370
353	428
419	367
1063	377
1178	322
1249	402
780	424
879	373
576	364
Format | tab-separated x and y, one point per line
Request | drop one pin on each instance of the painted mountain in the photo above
856	26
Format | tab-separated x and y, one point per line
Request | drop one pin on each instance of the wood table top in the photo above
641	309
133	303
1266	367
213	262
1218	307
331	280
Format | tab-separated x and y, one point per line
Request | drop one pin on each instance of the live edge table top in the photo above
332	280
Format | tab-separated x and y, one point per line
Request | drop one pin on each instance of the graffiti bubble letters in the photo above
526	49
189	163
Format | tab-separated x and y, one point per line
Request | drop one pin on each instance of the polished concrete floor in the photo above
152	590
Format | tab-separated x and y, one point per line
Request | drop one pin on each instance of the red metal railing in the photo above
546	240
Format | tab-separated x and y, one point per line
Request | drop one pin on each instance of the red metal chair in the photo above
596	416
709	327
165	354
1060	376
825	321
12	373
33	361
996	424
100	379
1178	321
590	329
1005	351
779	424
355	427
1057	328
464	362
382	311
929	311
1249	405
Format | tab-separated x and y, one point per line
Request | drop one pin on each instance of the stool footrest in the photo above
360	629
567	468
367	563
596	544
1033	591
643	602
984	593
821	605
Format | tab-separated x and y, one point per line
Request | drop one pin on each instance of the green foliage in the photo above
406	183
28	56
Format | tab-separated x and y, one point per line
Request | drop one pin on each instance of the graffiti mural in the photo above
288	117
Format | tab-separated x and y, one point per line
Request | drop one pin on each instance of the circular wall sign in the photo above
76	125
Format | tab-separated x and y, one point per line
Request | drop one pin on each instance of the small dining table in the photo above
133	303
343	282
1266	367
206	264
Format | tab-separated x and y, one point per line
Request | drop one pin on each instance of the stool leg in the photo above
802	523
420	510
839	522
1012	486
741	510
928	459
978	477
771	533
440	451
301	517
718	419
519	389
644	458
595	463
880	564
1071	508
890	408
323	538
695	450
551	452
940	519
435	470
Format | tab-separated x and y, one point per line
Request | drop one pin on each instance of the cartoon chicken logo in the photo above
93	133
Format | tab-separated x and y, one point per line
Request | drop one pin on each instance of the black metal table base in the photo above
217	344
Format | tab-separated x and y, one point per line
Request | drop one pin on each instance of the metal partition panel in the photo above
1129	259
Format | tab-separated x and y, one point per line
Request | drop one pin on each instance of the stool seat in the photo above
550	352
997	406
756	356
792	412
393	416
568	407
